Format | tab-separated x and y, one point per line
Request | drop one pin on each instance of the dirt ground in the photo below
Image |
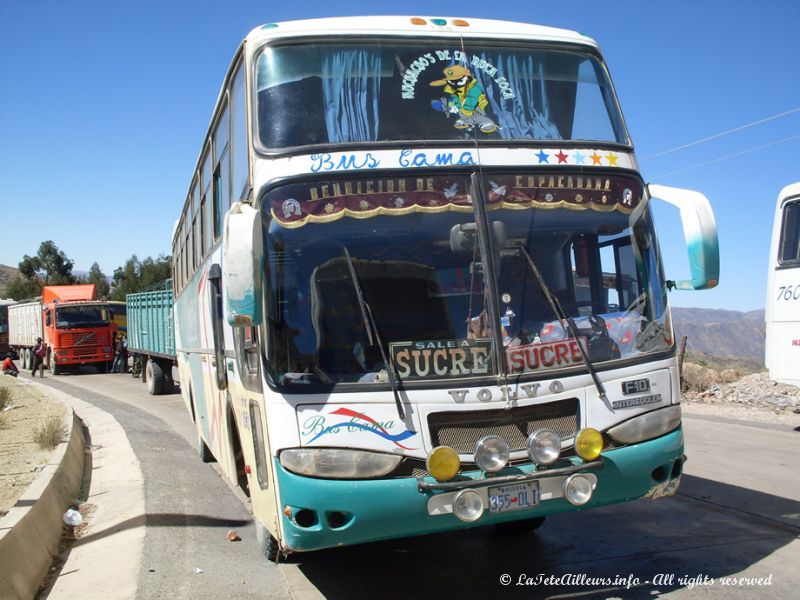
21	458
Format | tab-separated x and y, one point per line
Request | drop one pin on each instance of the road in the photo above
736	515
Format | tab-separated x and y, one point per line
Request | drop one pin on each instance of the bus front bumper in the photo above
328	513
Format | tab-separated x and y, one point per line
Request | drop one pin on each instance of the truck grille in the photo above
461	430
69	340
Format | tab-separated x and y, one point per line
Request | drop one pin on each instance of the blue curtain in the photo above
527	115
350	91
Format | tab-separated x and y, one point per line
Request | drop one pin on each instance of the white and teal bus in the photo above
418	283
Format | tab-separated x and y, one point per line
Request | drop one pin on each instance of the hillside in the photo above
7	274
721	333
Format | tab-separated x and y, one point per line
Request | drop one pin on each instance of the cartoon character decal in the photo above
467	100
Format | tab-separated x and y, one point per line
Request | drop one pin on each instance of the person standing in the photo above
39	352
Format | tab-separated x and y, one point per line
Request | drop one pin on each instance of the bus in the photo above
418	286
782	314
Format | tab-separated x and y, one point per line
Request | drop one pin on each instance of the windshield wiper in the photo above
555	306
373	335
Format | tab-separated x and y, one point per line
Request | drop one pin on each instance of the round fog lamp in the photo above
443	463
578	489
468	506
491	453
588	443
544	446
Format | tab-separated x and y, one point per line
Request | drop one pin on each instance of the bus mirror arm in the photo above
243	261
700	233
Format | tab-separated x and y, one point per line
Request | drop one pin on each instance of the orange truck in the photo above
75	326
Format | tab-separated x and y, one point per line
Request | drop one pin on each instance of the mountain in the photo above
7	274
721	333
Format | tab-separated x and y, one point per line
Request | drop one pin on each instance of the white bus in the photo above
782	351
418	284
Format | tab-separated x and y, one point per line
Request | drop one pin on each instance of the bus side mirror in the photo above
243	256
699	231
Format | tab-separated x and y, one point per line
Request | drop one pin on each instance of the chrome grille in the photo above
461	430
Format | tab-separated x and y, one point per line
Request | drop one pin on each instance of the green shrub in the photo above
50	433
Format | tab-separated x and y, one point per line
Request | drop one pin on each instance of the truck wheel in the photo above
102	368
267	544
56	369
23	358
155	378
517	527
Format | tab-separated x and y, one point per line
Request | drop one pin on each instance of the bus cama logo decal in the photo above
317	427
466	98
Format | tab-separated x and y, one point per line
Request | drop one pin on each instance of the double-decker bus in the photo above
418	283
782	355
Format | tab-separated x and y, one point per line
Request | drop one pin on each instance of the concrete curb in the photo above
31	531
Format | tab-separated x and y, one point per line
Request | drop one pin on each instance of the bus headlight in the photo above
338	463
578	489
443	463
647	426
468	506
588	443
491	453
544	446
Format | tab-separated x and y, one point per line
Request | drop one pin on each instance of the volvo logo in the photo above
525	390
85	339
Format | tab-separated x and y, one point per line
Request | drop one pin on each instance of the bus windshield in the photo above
80	316
310	94
416	256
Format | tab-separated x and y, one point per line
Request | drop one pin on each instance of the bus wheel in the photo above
202	449
155	378
267	544
517	527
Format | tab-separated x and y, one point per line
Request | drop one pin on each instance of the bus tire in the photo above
519	527
203	450
267	544
155	378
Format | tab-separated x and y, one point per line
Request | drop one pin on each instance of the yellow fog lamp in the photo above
443	463
589	443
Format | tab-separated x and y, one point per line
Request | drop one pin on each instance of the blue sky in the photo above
104	106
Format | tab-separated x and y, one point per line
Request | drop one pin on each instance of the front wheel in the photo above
57	370
518	527
267	544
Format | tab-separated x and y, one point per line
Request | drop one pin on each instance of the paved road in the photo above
737	515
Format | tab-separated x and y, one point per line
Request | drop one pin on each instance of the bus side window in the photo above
790	234
247	356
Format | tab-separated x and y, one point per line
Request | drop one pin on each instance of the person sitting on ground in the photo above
8	367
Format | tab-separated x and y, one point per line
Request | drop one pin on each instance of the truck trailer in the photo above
151	336
73	323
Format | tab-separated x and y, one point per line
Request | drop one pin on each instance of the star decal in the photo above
612	159
579	158
542	156
562	158
596	158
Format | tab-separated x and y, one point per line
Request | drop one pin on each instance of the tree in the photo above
98	278
50	266
23	289
136	276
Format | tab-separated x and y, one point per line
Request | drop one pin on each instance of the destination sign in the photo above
442	358
542	356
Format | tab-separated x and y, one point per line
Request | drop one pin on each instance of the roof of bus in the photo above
405	26
790	191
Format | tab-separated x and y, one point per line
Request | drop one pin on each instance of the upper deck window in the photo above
374	92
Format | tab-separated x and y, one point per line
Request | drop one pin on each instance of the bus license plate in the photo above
505	498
